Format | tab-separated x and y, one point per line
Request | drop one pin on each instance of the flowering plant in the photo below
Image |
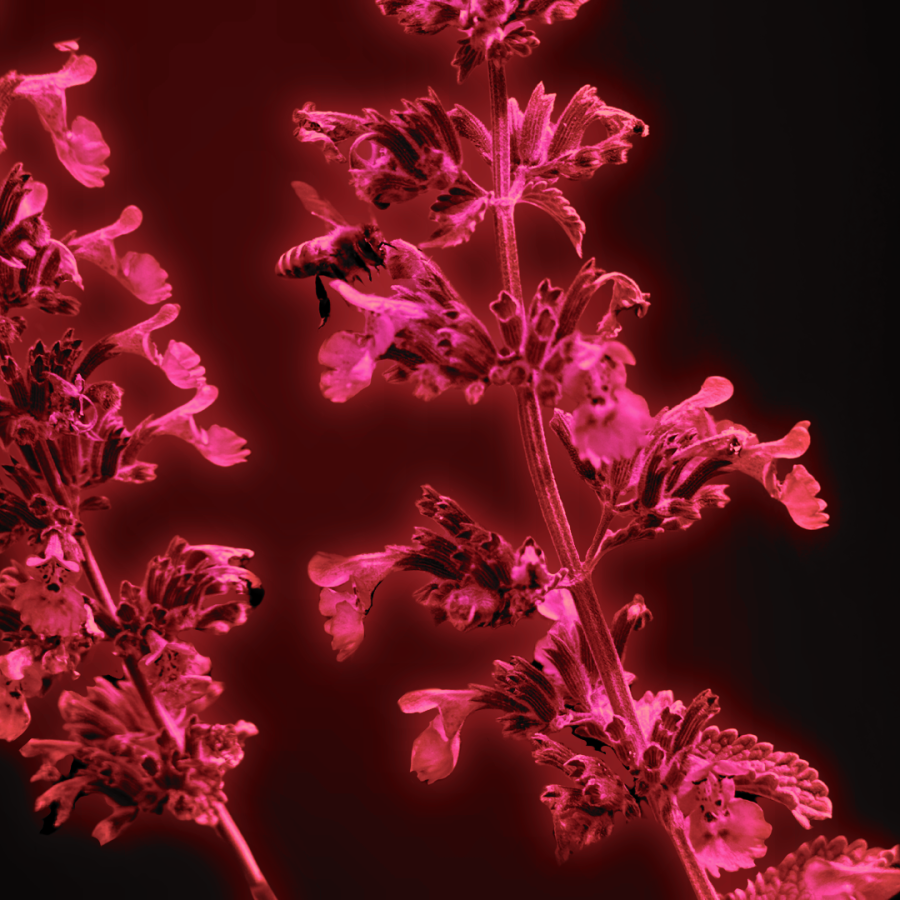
136	737
656	756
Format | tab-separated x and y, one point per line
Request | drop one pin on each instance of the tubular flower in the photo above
33	266
494	29
52	402
425	328
140	273
355	578
725	832
120	753
46	603
175	596
436	750
80	147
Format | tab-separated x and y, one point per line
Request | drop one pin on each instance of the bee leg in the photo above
324	301
371	253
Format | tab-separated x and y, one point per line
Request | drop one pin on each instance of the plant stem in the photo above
231	834
596	629
672	820
597	632
162	718
501	166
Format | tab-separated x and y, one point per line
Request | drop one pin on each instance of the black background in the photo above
755	216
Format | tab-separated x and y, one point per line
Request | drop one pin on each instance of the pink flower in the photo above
346	608
493	28
611	429
81	148
46	603
726	832
33	265
15	716
219	445
140	273
436	750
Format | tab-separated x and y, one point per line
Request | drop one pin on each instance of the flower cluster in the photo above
79	145
478	579
654	755
493	29
119	752
136	740
663	484
707	780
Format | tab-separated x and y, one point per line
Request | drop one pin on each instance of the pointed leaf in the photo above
552	201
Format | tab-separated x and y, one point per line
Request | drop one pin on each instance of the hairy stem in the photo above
231	834
501	166
596	629
162	718
672	820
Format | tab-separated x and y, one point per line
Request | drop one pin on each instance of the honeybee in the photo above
345	252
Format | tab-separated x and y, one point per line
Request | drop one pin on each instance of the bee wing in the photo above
314	204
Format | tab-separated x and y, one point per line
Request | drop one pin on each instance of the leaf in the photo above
761	770
824	868
469	126
458	213
552	201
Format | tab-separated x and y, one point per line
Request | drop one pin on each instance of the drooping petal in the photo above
219	445
798	494
436	749
140	273
344	620
81	148
726	832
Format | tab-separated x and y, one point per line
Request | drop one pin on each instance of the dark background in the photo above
754	214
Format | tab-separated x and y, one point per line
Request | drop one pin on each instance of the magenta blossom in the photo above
494	29
436	750
139	272
80	147
346	607
726	832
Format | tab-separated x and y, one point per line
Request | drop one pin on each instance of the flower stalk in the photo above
532	427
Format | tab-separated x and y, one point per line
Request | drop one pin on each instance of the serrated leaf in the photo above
827	869
761	770
552	201
458	213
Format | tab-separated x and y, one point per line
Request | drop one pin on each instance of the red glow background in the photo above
755	216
